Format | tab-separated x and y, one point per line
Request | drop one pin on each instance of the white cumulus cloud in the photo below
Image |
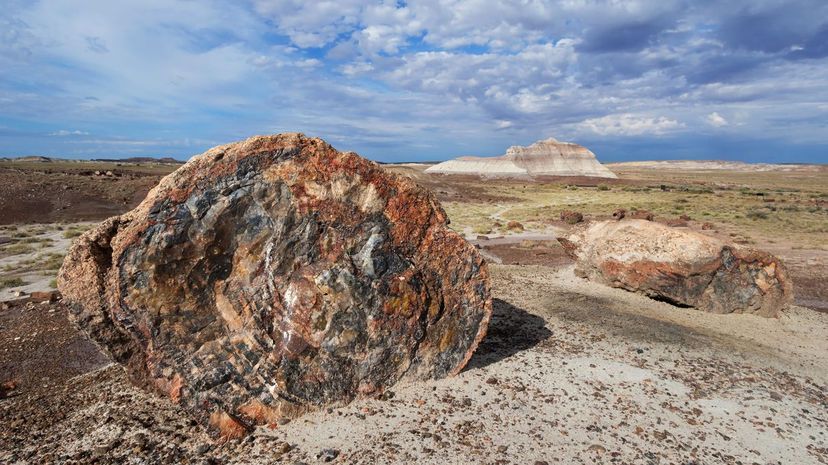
716	120
627	124
64	133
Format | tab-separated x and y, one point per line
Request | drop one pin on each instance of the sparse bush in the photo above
38	240
16	249
72	233
11	282
52	261
603	187
53	283
756	214
476	230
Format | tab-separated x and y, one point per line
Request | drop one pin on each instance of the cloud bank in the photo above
416	80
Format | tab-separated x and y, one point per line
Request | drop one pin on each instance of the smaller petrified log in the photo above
680	266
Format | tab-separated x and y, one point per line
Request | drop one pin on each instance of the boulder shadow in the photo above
511	330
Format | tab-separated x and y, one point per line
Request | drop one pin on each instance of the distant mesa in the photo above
543	158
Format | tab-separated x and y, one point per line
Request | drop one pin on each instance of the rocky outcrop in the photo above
680	266
543	158
277	275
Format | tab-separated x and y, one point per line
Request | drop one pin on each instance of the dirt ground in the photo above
570	372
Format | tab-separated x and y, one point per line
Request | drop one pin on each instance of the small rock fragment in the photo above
571	217
328	455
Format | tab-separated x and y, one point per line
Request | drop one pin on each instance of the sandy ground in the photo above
571	372
36	277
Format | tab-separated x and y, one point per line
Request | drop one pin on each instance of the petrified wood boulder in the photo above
273	276
680	266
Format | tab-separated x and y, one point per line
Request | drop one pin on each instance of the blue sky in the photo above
417	80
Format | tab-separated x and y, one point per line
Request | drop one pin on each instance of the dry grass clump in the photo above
72	232
17	248
11	282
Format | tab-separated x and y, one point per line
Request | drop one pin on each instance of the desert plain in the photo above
570	372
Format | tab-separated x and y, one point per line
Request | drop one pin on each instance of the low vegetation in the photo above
775	203
6	283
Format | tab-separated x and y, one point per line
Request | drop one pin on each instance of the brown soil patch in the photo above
46	192
543	253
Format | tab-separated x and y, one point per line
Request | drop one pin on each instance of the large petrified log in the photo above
680	266
276	275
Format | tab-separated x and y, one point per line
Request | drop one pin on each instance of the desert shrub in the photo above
603	187
52	261
699	190
72	233
53	283
11	282
16	249
757	214
38	240
476	230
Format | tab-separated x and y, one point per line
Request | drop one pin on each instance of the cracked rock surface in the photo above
274	276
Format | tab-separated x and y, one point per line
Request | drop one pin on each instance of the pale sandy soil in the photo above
35	276
571	372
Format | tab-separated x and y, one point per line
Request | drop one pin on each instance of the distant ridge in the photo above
35	158
42	159
718	165
140	160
